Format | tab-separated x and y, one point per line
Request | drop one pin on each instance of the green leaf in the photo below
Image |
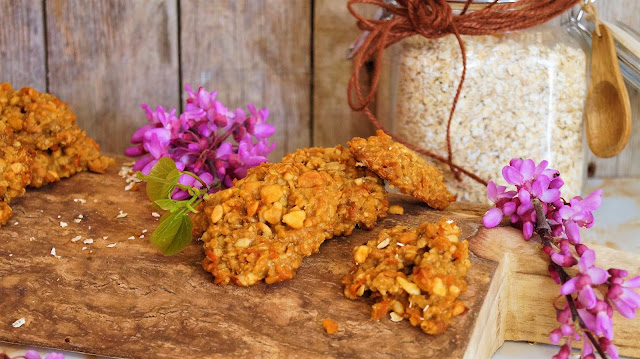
182	238
173	233
167	204
162	179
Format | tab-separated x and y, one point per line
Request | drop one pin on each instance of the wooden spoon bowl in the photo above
608	111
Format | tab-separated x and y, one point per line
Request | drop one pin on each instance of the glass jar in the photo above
523	96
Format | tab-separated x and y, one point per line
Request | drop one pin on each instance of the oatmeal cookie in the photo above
39	143
403	168
35	119
417	274
363	200
264	225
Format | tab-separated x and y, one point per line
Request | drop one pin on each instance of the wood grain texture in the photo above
130	301
627	163
106	57
334	30
524	291
253	52
22	45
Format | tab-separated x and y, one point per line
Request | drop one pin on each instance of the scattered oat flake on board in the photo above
132	237
81	200
18	323
63	224
88	241
142	236
76	238
395	209
111	245
83	248
15	224
144	231
155	214
121	214
105	237
53	252
77	220
31	239
330	326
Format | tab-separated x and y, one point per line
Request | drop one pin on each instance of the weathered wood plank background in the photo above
106	57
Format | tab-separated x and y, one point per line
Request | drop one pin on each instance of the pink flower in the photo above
621	293
206	139
589	275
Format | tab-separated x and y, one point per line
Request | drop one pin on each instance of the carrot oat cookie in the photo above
403	168
416	274
264	225
39	143
363	200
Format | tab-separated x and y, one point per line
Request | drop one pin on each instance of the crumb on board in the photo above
76	238
155	214
141	236
18	323
53	252
77	220
80	200
105	237
83	248
16	223
144	231
396	209
330	326
88	241
111	245
132	237
63	224
129	175
31	239
121	214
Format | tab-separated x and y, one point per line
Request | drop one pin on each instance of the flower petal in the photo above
512	176
551	195
527	169
587	297
492	218
569	286
598	275
586	260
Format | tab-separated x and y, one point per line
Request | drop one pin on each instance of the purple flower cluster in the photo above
32	354
538	183
198	140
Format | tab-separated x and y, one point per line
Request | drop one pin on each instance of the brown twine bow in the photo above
434	19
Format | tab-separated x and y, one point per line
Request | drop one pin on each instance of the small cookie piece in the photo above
417	274
403	168
330	326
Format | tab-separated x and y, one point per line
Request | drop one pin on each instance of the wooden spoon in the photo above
608	111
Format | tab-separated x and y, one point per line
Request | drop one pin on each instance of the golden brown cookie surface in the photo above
403	168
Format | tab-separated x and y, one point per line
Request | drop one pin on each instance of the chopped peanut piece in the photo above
294	219
395	209
216	214
361	254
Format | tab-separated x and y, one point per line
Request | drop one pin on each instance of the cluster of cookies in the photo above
40	143
263	227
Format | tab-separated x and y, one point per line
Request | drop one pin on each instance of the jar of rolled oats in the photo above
523	96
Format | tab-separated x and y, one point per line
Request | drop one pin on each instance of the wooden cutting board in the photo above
128	300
